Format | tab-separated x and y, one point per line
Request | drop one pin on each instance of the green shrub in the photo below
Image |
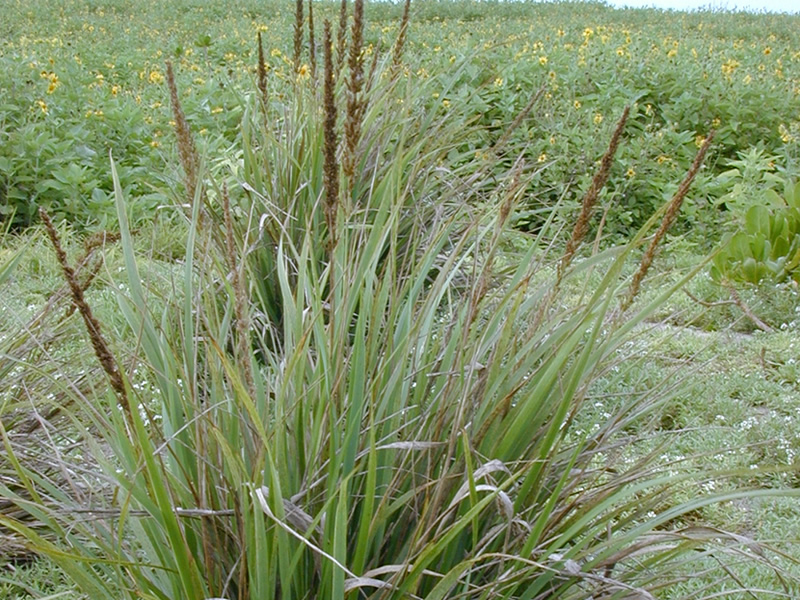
767	247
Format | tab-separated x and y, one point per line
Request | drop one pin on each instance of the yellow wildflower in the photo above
156	77
542	157
577	104
542	60
598	118
630	173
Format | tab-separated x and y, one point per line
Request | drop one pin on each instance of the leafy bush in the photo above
767	246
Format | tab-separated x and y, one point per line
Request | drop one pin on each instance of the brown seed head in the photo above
262	73
187	153
298	34
341	42
331	166
355	83
101	348
400	42
590	198
312	49
673	208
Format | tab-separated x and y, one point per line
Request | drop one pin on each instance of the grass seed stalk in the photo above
187	151
331	165
341	36
581	227
99	344
673	208
312	48
400	42
298	35
262	74
355	83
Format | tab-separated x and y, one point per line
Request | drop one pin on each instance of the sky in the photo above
756	5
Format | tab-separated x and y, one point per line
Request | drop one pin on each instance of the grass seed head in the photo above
399	44
341	41
262	73
99	344
187	152
355	83
298	34
312	49
671	213
590	198
331	166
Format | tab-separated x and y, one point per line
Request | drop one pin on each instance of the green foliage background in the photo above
80	77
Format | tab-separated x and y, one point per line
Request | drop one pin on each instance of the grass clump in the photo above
351	396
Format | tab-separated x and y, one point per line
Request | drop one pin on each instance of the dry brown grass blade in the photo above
669	217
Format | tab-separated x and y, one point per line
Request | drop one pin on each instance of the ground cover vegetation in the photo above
342	301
